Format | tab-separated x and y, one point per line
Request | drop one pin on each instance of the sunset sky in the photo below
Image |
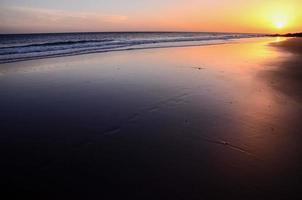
271	16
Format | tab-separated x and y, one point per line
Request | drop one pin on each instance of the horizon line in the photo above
75	32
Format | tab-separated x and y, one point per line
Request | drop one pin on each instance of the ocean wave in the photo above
56	43
34	48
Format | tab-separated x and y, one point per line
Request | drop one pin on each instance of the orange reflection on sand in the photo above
241	57
256	106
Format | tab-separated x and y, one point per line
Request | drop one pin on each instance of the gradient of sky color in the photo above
19	16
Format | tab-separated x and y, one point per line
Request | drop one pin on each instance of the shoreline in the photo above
115	50
176	44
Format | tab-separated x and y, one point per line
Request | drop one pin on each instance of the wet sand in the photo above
175	123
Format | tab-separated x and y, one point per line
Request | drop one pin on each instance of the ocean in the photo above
19	47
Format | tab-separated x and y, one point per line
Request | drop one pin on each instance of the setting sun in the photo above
280	20
280	24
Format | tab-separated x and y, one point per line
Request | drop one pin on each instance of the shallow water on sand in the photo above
181	123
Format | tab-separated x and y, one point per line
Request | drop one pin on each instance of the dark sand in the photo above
176	123
288	76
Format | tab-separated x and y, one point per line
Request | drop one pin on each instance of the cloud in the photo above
44	20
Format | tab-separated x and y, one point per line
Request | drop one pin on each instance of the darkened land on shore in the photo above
288	35
288	76
220	121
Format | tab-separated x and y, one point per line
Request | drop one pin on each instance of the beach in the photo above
194	122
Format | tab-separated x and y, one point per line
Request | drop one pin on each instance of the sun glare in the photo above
280	20
280	24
